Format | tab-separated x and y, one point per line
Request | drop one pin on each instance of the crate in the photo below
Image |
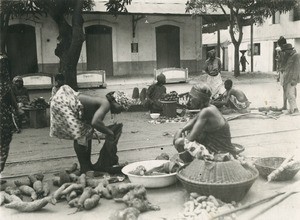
37	118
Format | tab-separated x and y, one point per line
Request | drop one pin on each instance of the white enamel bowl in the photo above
156	181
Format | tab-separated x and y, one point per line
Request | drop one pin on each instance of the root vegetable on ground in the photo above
129	213
87	193
64	177
73	168
72	187
103	191
26	182
46	189
56	181
58	193
32	179
73	203
92	202
12	191
6	198
82	180
28	191
30	206
38	187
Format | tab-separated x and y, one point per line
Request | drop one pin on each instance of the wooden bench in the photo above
38	80
91	79
173	75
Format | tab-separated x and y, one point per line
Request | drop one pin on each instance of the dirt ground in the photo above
34	151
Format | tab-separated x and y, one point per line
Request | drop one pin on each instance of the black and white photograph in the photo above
149	109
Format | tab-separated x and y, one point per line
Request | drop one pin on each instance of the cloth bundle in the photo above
66	111
122	99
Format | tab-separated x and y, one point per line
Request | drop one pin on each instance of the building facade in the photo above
129	44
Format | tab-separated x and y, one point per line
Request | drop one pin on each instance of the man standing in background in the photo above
291	76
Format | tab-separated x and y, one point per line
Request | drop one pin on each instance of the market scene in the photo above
149	110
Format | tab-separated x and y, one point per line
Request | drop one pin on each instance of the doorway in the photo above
99	48
167	46
21	49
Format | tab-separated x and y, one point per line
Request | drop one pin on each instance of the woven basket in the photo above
221	182
267	165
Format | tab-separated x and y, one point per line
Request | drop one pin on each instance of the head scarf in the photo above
122	99
5	83
17	78
201	92
161	78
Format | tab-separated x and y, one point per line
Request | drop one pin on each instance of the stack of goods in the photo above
205	207
79	191
228	181
166	168
172	96
37	103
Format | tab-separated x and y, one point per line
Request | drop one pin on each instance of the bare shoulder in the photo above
208	111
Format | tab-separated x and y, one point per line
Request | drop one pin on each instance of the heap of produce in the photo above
206	207
172	96
37	103
79	191
166	168
29	195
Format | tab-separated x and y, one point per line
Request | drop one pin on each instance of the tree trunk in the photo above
70	39
236	60
69	62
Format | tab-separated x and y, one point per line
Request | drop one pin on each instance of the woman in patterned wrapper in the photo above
75	115
8	105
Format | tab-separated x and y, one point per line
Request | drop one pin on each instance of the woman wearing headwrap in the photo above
213	69
7	105
74	116
154	93
208	128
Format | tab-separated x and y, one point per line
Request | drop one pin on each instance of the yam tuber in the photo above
30	206
137	192
73	168
6	198
58	193
27	190
64	177
72	195
39	176
73	177
12	191
26	182
73	202
94	182
32	179
87	193
56	181
273	175
46	189
129	213
72	187
142	205
92	202
82	180
126	187
38	187
100	189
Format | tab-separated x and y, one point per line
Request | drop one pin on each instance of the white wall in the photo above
266	35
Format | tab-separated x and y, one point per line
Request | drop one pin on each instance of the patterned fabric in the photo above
237	104
122	99
66	111
6	121
216	85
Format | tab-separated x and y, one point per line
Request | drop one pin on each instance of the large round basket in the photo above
267	165
227	192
